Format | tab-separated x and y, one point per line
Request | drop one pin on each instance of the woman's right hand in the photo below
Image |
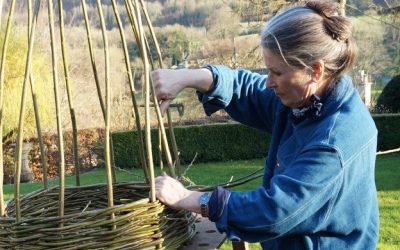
169	83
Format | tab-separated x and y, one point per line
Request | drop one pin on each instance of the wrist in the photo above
201	79
191	201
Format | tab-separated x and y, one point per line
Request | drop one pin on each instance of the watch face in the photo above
204	198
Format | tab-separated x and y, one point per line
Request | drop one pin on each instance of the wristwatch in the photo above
203	200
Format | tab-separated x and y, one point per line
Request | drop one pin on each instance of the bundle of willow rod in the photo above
112	215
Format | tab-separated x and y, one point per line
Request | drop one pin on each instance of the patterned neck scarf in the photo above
310	111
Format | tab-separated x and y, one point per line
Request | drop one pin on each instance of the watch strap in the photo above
203	200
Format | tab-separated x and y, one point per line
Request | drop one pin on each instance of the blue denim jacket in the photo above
318	188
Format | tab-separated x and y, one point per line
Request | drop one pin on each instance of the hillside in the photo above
191	33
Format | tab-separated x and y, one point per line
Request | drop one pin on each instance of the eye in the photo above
277	73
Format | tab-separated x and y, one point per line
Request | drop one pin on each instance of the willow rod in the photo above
97	81
110	194
137	23
2	71
134	25
92	59
1	10
130	10
1	136
135	29
147	102
58	112
170	125
36	108
160	148
132	90
157	108
21	117
69	95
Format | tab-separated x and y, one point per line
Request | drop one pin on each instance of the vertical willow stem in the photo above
58	114
132	90
130	10
163	134
2	71
147	102
36	108
160	149
108	111
1	10
92	59
342	7
96	78
39	132
137	24
134	25
70	101
135	29
170	125
174	145
21	118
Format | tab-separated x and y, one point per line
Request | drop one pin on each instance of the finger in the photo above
164	106
163	173
157	180
155	75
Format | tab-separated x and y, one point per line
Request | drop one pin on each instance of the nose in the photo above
270	83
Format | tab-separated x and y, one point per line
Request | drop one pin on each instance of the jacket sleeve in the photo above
243	95
298	200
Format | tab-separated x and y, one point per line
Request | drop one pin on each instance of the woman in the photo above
318	188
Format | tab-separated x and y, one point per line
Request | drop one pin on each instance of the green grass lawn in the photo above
387	180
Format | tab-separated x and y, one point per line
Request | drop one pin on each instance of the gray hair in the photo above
304	34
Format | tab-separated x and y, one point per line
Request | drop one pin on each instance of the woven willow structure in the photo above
104	216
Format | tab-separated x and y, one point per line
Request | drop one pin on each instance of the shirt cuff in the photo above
218	96
217	203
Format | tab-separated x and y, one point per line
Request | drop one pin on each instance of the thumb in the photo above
164	106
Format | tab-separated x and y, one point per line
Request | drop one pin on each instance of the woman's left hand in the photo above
173	194
170	191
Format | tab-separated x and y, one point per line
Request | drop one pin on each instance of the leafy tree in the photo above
188	13
369	35
392	41
176	43
226	24
14	78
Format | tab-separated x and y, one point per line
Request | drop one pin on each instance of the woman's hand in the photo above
169	83
173	194
170	191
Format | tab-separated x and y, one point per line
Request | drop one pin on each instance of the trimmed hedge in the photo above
229	141
216	142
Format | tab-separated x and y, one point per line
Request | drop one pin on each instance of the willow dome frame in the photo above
113	215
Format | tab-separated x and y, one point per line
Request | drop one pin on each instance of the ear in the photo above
318	71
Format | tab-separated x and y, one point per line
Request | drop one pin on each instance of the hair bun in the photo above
337	26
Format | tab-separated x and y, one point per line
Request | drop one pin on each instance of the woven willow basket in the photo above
138	223
104	216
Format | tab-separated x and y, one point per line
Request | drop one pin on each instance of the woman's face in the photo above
293	86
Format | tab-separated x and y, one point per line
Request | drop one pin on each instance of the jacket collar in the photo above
321	108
